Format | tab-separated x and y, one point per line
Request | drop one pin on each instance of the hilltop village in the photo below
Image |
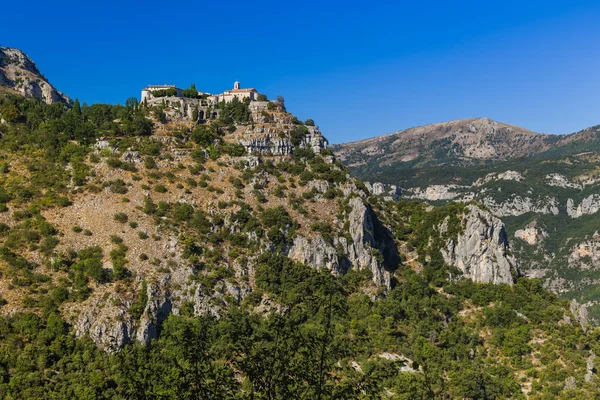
201	106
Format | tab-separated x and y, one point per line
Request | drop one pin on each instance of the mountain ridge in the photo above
20	75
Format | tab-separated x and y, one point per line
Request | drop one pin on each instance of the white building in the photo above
147	92
238	93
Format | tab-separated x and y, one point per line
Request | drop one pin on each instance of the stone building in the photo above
147	92
208	99
239	93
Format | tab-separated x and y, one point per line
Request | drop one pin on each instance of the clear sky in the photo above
359	69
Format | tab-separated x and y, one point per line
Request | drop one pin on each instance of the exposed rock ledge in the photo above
521	205
368	241
589	205
481	250
433	192
531	234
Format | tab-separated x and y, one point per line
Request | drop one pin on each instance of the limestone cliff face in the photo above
369	248
519	205
111	325
481	250
19	74
589	205
264	142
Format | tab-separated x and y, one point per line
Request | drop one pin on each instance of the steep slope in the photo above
144	255
546	189
19	75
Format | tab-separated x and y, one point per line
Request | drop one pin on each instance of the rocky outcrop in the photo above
531	234
589	205
580	313
518	205
370	247
591	369
586	254
108	326
379	188
274	144
559	180
315	252
433	193
481	250
269	144
19	73
158	308
367	244
503	176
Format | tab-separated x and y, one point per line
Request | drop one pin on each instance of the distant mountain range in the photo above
19	75
546	189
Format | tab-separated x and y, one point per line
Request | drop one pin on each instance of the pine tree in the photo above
77	107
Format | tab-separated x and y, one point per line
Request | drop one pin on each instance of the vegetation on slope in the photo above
299	333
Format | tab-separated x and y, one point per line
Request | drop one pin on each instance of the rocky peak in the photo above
20	75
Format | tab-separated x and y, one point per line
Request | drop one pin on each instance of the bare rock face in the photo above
481	250
315	252
589	205
591	370
531	234
158	308
368	249
273	144
109	326
518	205
433	192
269	144
559	180
19	73
581	314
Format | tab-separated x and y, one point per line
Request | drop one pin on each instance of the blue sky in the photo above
359	69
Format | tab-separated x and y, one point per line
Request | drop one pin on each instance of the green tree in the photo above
76	107
191	92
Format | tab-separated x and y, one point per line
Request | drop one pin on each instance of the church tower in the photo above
236	85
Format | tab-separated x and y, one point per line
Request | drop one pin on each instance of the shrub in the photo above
160	188
297	134
121	217
149	163
118	186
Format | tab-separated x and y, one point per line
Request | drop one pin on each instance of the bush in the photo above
191	93
170	92
118	186
161	188
149	163
297	134
121	217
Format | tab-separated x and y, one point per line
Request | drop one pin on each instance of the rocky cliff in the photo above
546	189
20	75
365	248
275	141
481	250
